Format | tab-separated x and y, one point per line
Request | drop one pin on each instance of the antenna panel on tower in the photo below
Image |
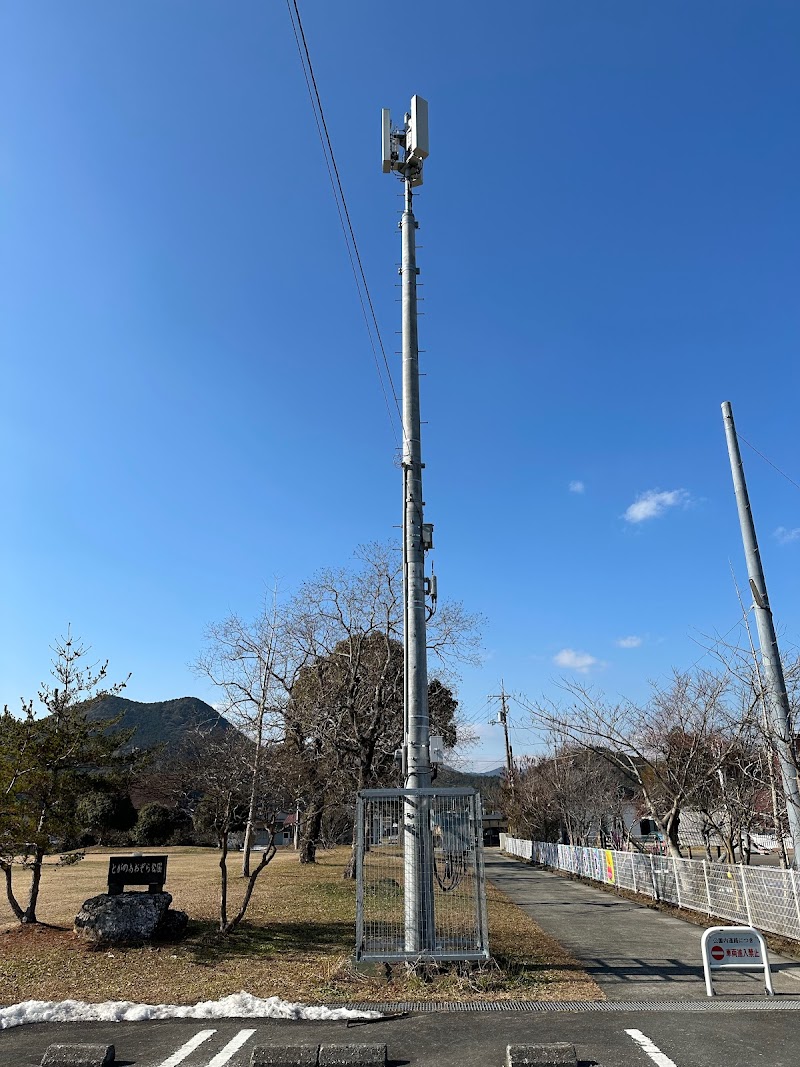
418	143
386	140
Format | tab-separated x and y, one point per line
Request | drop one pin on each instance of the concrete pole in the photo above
775	695
766	717
419	924
418	767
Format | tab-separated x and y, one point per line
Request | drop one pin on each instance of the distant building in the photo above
494	824
284	833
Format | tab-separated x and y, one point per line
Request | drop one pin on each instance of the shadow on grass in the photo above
514	966
207	946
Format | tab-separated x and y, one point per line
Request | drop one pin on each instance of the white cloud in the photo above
653	503
785	536
577	487
575	661
628	642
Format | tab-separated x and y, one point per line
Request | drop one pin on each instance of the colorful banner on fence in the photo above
611	874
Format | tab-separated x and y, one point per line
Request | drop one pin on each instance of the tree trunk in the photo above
223	883
12	900
730	848
267	855
251	808
707	846
350	867
312	824
671	825
248	844
36	877
776	816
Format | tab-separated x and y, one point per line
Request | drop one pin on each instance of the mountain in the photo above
162	722
487	785
496	772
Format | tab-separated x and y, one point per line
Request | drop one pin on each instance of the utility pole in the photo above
758	685
775	696
403	151
502	718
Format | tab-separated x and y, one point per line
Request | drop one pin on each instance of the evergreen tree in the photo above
48	763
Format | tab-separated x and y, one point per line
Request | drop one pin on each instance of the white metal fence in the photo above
433	833
764	897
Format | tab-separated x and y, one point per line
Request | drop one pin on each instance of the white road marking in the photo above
187	1049
656	1055
232	1047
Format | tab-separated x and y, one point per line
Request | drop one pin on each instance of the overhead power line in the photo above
356	264
767	460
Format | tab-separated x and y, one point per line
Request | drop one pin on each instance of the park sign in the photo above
734	948
136	870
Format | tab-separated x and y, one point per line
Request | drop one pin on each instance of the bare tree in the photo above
324	669
346	706
247	662
213	774
570	793
732	804
743	664
671	746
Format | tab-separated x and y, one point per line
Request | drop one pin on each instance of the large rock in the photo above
128	917
173	925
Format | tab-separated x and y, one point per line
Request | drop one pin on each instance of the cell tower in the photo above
404	151
432	836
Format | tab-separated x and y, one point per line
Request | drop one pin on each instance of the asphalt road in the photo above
683	1039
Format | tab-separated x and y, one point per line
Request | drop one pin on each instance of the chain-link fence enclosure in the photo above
421	890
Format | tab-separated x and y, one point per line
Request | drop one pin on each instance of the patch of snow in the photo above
236	1006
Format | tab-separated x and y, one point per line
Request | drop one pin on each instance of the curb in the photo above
362	1055
557	1054
284	1056
78	1056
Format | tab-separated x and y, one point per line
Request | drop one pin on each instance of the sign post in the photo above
734	948
136	870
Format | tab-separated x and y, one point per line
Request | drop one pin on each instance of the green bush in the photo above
155	825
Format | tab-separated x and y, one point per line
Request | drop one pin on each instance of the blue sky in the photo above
610	225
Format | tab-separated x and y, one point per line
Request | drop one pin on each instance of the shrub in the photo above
155	825
70	858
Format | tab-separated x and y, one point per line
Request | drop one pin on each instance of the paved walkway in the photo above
632	952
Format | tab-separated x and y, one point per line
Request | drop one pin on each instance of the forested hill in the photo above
489	786
163	722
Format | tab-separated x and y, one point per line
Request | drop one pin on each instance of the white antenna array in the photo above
404	149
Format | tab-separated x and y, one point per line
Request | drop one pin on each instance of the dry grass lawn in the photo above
296	943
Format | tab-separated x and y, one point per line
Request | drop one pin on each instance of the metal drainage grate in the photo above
534	1006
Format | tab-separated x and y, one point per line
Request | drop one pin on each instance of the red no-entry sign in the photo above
739	947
